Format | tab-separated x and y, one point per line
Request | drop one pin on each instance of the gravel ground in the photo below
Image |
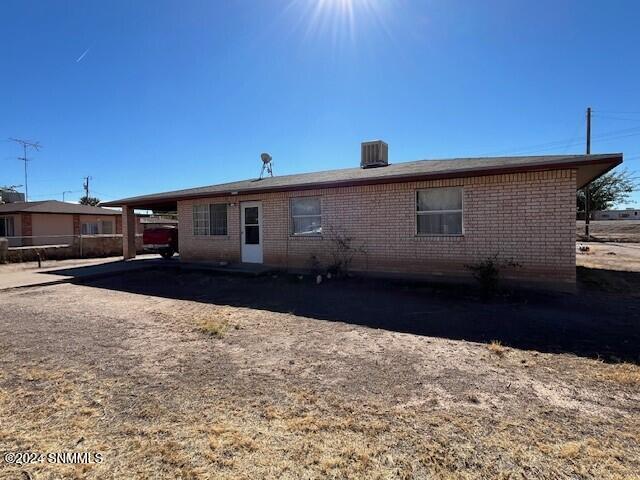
194	376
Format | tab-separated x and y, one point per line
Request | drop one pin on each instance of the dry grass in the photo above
301	436
287	397
213	326
497	348
622	374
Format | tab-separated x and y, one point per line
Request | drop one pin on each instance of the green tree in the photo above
606	191
93	201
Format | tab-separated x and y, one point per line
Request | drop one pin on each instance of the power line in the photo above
53	194
618	112
566	143
609	117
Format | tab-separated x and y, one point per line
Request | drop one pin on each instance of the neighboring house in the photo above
52	222
627	214
428	217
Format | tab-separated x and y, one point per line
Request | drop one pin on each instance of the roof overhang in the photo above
587	170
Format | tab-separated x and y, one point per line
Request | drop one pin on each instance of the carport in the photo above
129	219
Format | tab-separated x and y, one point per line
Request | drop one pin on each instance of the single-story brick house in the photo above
50	221
428	217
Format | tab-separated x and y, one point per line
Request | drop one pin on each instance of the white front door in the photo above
251	233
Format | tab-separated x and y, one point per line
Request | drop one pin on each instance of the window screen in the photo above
439	211
306	216
201	219
218	218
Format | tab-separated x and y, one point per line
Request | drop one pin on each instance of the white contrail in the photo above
83	54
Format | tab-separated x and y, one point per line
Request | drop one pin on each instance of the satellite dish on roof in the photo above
266	165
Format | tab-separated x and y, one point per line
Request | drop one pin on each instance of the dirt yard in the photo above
610	230
193	376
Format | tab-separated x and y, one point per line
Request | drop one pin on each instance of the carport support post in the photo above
128	232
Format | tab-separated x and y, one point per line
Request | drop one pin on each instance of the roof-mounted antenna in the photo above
266	165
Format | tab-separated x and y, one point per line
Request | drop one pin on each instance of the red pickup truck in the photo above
162	240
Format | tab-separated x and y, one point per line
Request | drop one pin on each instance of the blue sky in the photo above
155	96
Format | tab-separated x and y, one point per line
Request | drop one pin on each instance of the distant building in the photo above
9	195
50	222
627	214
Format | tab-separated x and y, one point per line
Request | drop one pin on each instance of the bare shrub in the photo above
487	272
343	250
496	347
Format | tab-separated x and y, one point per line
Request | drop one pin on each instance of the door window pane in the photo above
251	216
252	235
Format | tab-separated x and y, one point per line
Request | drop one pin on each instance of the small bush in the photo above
487	273
215	328
496	347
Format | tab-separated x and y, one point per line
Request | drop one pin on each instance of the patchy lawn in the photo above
194	376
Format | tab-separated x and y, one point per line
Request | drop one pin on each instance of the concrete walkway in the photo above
28	274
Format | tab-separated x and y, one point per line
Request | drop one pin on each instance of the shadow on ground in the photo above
597	322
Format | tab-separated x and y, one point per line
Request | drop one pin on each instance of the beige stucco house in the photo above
428	217
53	222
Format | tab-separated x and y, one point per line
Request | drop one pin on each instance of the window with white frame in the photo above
6	227
306	216
210	219
90	228
439	211
201	219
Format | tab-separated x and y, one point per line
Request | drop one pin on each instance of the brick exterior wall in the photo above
528	218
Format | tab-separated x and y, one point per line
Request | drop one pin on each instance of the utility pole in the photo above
25	145
85	185
66	191
587	188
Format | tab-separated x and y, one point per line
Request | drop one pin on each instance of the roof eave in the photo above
612	160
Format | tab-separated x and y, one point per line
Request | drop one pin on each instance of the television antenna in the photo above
266	165
25	145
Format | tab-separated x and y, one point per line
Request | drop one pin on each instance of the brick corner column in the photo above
128	232
27	228
76	224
